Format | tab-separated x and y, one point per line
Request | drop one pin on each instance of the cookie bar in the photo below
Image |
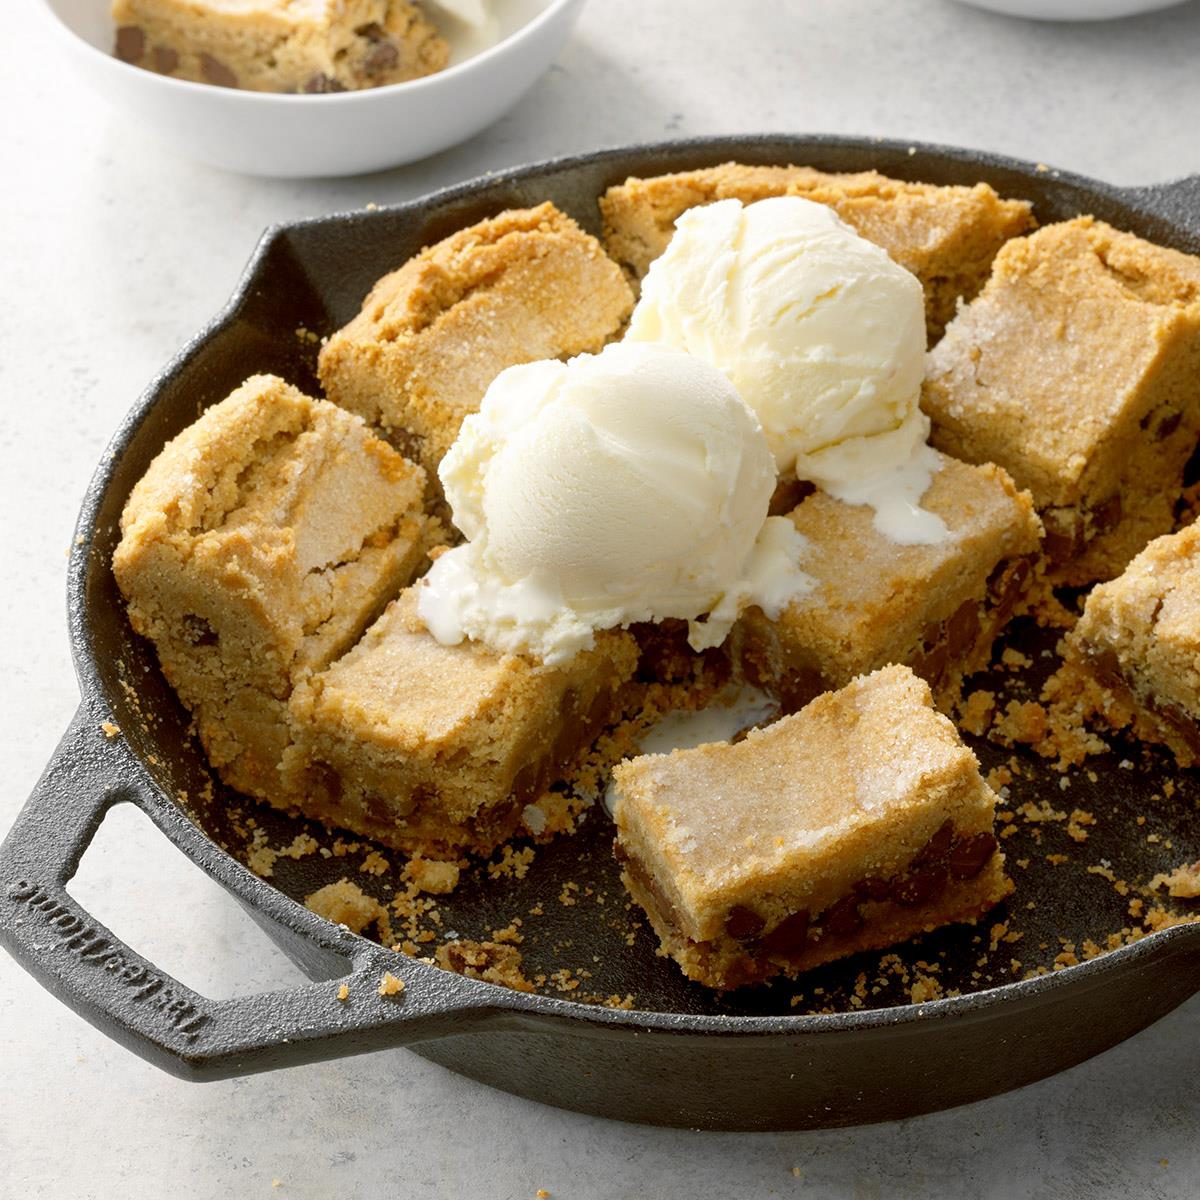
1077	369
851	825
946	236
936	607
432	336
280	45
260	543
434	749
1134	656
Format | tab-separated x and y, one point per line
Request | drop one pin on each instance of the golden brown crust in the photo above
946	236
796	817
877	602
1133	659
431	336
431	748
258	545
1077	369
724	964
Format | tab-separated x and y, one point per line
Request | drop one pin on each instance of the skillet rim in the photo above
1155	201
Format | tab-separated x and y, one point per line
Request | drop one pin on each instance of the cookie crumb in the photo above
343	993
389	985
1183	883
1078	819
493	962
977	711
375	864
513	864
431	875
110	729
345	903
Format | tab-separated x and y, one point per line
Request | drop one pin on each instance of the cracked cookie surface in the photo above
260	543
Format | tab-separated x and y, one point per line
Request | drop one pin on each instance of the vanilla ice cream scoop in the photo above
472	12
822	334
626	486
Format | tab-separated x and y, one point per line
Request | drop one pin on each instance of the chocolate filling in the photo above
383	56
947	856
165	60
131	44
1164	422
388	813
1106	667
320	85
789	936
973	626
1069	531
957	643
216	72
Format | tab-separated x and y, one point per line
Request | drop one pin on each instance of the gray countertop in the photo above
113	252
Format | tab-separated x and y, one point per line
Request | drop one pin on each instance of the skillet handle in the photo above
152	1014
1178	201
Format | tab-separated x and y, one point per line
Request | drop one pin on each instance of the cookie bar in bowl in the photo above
309	46
937	608
261	542
1077	369
859	822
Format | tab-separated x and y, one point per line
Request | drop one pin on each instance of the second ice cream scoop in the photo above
627	486
822	334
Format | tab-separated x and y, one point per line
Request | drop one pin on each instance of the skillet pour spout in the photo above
680	1056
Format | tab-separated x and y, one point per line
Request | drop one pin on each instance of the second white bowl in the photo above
344	133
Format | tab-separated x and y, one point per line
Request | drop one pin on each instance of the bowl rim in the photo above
446	77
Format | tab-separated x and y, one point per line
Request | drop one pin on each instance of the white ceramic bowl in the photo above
1071	10
345	133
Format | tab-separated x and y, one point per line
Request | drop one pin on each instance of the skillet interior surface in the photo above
578	932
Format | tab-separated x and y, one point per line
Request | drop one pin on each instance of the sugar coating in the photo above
1077	369
423	745
528	284
790	818
874	600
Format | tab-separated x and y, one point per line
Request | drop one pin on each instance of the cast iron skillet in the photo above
682	1057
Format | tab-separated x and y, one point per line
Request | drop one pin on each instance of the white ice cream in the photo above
471	12
820	332
626	486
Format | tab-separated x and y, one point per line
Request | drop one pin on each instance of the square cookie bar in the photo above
1134	656
432	336
280	45
1077	369
435	749
851	825
260	543
946	236
937	608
